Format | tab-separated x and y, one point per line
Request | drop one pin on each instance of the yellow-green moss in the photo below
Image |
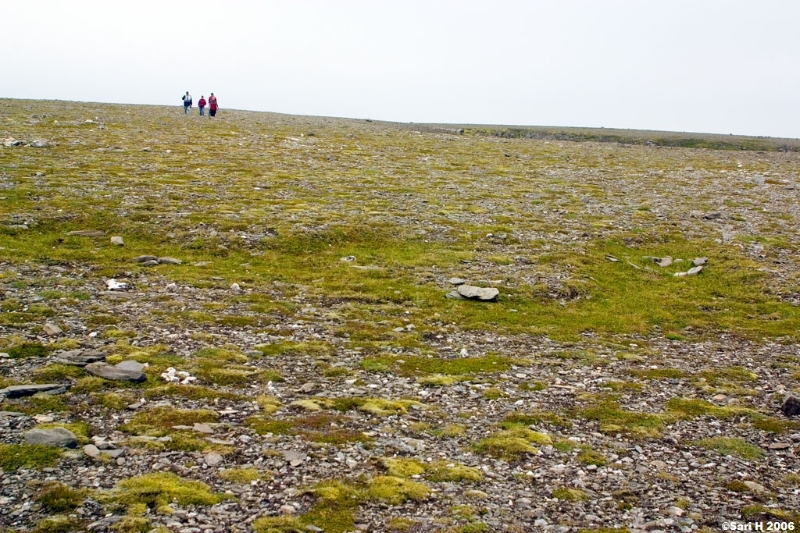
395	490
160	489
732	446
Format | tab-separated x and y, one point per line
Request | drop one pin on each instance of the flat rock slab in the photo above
78	357
60	437
169	261
18	391
484	294
114	373
87	233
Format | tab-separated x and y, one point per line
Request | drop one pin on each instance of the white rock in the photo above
114	285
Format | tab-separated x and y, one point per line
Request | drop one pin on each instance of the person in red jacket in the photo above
202	104
212	105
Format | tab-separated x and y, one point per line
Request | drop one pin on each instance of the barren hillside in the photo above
272	323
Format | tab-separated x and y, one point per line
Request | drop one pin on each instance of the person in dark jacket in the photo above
187	102
212	105
202	104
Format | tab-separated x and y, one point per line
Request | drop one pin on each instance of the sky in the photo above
711	66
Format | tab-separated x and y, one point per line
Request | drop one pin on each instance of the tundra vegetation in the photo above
293	273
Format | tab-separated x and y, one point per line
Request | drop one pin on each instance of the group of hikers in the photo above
212	104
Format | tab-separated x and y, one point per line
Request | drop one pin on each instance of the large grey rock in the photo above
114	373
485	294
169	261
791	405
60	437
130	365
18	391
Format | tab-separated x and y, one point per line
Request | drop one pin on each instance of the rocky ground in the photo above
332	384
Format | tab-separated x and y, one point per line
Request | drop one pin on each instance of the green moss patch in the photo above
420	366
59	498
614	419
732	446
512	443
158	490
158	420
16	456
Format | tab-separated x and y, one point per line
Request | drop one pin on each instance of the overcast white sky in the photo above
721	66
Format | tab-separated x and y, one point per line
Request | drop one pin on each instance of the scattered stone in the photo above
145	259
11	141
87	233
169	261
235	287
114	373
51	329
454	295
699	261
117	241
663	261
456	281
484	294
92	451
40	143
791	405
348	259
213	458
293	457
755	487
60	437
694	270
203	428
308	387
612	258
288	509
115	453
